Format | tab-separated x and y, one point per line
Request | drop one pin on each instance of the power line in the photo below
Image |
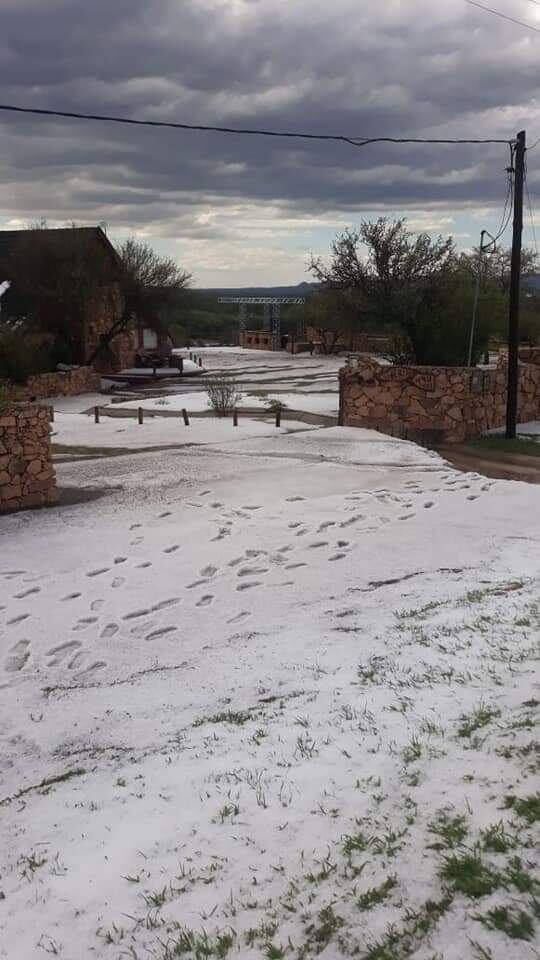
535	144
531	213
504	16
353	141
507	213
536	2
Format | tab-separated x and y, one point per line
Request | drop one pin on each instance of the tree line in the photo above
417	290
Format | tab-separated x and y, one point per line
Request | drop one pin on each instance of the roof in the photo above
10	238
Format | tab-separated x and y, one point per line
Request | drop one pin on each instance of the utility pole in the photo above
515	285
476	296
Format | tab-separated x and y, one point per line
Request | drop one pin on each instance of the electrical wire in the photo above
533	229
535	144
507	213
353	141
504	16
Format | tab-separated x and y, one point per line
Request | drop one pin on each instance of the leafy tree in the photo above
402	282
330	314
495	264
149	284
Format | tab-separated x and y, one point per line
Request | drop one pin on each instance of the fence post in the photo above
190	355
51	414
96	414
186	418
180	364
154	371
200	361
278	417
140	414
235	417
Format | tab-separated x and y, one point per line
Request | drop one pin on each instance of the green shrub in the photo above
21	358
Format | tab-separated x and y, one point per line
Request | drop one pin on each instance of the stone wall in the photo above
529	355
357	341
66	383
26	473
435	404
255	339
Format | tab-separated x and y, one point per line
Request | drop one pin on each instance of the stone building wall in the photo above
101	313
436	404
26	472
66	383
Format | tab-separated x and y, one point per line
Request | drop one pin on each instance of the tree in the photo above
495	265
330	314
149	283
402	281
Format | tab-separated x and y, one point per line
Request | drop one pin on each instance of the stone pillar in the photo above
26	472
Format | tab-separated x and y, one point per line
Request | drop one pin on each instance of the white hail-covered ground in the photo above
269	695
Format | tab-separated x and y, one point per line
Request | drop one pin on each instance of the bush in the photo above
5	400
223	395
21	358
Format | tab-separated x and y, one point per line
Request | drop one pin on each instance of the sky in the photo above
249	211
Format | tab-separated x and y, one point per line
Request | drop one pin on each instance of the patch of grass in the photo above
320	933
526	807
496	838
157	898
449	830
236	717
199	945
480	717
528	448
376	895
468	874
45	785
516	876
413	750
514	922
29	863
401	943
355	843
272	952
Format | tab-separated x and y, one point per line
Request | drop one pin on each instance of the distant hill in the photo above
300	290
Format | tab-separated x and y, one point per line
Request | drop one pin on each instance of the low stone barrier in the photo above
62	383
434	404
255	339
27	476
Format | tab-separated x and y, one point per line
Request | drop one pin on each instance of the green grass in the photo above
526	807
480	717
450	831
467	873
376	895
515	923
199	946
528	448
516	876
321	932
236	717
401	943
496	838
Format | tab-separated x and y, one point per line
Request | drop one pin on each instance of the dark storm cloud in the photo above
405	69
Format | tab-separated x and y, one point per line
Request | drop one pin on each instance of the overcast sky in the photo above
238	210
